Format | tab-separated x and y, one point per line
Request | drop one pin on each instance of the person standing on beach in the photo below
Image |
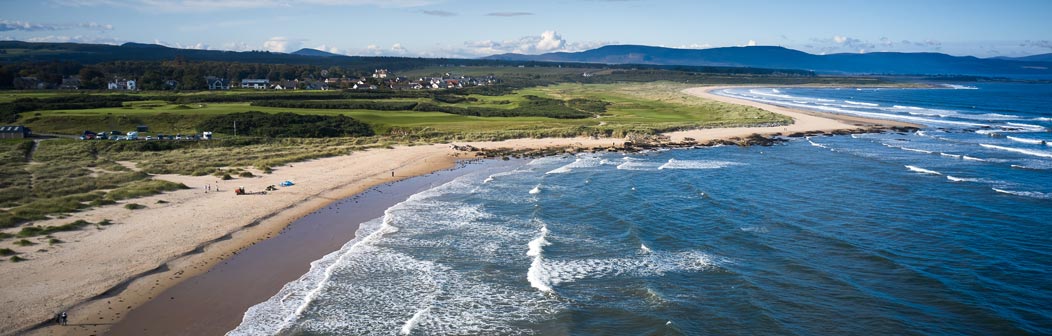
63	318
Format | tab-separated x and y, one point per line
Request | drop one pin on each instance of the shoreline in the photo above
215	302
142	260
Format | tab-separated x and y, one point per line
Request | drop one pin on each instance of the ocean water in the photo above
943	231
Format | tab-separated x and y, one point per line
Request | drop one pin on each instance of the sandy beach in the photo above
99	275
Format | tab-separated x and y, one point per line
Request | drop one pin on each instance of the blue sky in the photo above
470	28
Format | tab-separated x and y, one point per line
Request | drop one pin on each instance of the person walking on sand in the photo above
63	318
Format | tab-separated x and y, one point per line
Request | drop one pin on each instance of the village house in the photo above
14	132
171	84
70	83
216	83
380	73
122	84
258	84
284	85
28	83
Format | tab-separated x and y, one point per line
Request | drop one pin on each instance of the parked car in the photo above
148	138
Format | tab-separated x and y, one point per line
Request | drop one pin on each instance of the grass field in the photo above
647	107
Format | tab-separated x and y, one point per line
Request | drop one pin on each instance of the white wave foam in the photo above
959	87
580	162
407	328
650	264
1032	194
1028	127
643	248
955	156
816	144
538	275
637	164
536	190
922	170
696	164
1025	151
1042	119
1028	141
972	158
861	103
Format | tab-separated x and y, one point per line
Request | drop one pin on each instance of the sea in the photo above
946	230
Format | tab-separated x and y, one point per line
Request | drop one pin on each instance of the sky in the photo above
477	28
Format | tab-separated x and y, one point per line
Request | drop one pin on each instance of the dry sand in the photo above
100	274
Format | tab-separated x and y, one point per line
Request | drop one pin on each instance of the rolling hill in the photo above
784	58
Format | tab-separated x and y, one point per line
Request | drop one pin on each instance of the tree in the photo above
92	78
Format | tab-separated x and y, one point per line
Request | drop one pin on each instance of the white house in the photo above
122	84
216	83
255	83
380	73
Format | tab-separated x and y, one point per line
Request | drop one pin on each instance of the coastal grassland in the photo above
64	176
587	109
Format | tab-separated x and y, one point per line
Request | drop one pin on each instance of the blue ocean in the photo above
947	230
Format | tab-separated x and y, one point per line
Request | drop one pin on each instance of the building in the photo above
70	83
216	83
122	84
14	132
28	83
171	84
380	73
258	84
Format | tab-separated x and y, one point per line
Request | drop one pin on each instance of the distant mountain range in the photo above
314	52
784	58
1037	66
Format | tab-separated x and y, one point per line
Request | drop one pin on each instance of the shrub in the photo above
17	259
23	242
162	202
31	231
287	124
226	177
134	206
143	188
54	241
7	252
246	174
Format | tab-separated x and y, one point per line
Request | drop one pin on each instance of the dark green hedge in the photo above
287	124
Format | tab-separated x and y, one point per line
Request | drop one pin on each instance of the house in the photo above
14	132
380	73
171	84
364	86
284	85
216	83
258	84
122	84
315	85
70	83
28	83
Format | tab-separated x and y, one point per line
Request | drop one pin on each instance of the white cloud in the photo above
395	50
210	5
75	39
237	46
550	40
283	44
839	39
695	46
751	43
8	25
